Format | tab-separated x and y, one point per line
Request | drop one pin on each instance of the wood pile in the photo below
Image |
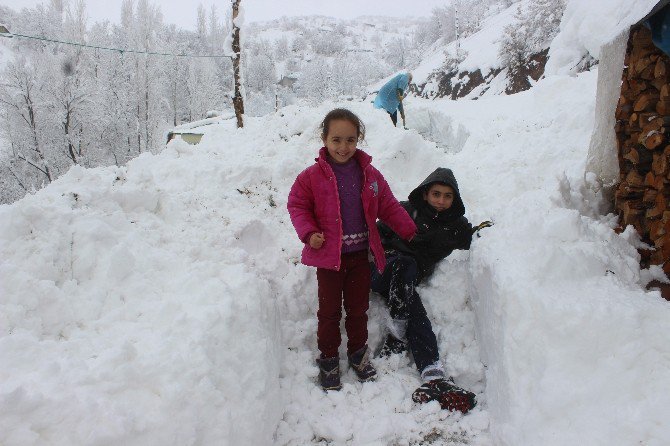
643	128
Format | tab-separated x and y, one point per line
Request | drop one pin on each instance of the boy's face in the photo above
439	196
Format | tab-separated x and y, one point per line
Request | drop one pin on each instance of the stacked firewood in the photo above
643	129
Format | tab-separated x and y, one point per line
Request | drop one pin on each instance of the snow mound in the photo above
126	293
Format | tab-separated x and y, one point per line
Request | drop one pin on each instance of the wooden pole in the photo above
238	100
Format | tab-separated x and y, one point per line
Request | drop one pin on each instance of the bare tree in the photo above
238	100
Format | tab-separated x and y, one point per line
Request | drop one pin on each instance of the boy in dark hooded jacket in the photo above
438	211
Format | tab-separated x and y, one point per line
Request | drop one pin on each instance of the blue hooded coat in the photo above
387	98
659	23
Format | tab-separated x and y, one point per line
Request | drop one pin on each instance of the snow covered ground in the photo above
164	302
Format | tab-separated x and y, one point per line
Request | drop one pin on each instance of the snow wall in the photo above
570	340
131	314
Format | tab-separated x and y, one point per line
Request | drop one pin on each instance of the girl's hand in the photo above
316	240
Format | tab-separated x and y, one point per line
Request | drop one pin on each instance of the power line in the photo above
119	50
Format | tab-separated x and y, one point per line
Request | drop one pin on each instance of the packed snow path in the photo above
380	412
164	302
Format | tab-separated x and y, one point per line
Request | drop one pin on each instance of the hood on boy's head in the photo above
444	176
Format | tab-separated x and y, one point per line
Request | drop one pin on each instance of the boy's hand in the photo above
482	225
316	240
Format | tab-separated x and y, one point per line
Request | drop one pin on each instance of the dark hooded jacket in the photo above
438	233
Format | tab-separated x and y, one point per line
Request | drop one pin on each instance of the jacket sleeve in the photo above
463	237
392	213
300	207
441	242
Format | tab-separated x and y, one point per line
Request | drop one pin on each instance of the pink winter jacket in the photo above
314	206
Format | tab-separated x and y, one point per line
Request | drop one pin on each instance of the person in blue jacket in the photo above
390	96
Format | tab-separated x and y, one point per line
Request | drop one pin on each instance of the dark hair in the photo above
345	115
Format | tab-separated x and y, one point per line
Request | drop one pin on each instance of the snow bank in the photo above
129	315
573	345
571	340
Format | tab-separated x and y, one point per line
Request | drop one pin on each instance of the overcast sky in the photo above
183	12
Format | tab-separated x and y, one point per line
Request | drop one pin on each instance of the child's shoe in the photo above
329	373
391	346
360	362
445	392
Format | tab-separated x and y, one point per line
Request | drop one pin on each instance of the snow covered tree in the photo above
281	49
441	25
533	31
299	44
21	99
216	35
315	82
201	26
260	72
327	42
397	53
202	88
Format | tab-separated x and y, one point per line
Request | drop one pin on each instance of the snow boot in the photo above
360	362
446	393
391	346
329	373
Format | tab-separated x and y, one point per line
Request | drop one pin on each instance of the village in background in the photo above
64	104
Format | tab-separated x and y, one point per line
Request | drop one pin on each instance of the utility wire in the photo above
119	50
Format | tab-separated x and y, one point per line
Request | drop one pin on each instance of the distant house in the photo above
287	81
4	32
191	138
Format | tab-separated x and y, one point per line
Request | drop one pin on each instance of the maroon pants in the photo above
350	284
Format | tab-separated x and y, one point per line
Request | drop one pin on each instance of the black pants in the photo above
394	117
397	287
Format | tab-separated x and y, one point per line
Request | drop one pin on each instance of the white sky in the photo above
183	12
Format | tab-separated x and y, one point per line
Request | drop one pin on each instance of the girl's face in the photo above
341	140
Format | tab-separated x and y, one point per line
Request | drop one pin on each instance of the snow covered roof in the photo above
586	27
4	31
602	158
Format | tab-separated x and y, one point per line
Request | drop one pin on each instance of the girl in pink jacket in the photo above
334	205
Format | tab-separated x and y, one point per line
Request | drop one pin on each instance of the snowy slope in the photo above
164	302
480	49
585	28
